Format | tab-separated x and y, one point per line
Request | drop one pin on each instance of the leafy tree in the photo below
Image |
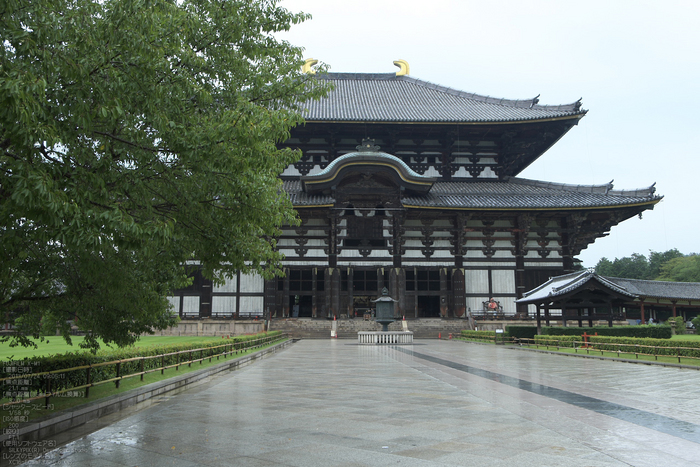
637	266
656	260
631	267
683	269
136	135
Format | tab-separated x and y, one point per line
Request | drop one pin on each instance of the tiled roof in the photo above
518	193
390	98
562	285
513	193
660	289
301	199
635	288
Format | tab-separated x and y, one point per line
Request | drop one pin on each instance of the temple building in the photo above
413	186
584	296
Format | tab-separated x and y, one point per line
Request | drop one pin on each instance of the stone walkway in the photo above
335	403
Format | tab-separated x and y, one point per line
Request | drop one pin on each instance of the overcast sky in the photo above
635	63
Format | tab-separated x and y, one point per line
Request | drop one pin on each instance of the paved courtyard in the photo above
335	403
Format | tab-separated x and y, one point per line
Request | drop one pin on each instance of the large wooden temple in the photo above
413	186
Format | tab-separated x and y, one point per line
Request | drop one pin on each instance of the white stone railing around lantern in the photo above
389	337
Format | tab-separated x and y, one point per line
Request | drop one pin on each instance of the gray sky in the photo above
635	63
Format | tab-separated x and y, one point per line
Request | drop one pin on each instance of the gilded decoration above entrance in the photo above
370	164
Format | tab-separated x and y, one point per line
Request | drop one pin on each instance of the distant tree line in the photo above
671	265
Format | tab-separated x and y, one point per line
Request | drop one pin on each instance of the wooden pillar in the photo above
610	315
443	293
563	314
539	321
546	315
673	302
590	317
642	311
285	300
579	314
238	294
351	294
314	292
459	299
333	288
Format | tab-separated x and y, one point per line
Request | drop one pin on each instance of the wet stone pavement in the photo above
335	403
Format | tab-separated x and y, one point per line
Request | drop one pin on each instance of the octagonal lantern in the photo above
385	310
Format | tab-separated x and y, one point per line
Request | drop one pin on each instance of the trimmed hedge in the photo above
522	332
647	346
557	341
648	331
76	378
479	335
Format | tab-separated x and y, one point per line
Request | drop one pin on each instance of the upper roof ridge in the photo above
531	103
606	189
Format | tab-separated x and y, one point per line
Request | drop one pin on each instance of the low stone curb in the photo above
70	418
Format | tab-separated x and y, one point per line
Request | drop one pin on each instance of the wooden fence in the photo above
613	347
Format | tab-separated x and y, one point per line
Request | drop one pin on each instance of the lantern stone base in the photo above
380	337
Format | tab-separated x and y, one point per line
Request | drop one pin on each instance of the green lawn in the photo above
36	408
686	337
56	345
631	356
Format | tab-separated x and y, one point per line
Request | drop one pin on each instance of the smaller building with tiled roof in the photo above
601	295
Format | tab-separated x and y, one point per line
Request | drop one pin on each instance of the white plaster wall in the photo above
251	304
531	264
442	264
190	305
228	286
223	305
252	283
503	281
315	253
413	243
345	253
291	171
174	303
316	233
442	254
476	281
475	304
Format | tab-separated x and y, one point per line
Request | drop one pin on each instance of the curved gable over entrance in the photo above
368	168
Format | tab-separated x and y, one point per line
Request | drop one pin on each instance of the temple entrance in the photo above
300	306
428	306
363	304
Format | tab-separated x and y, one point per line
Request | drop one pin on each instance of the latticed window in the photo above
365	231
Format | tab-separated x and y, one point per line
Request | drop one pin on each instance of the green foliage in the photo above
631	267
670	265
682	269
648	346
653	331
479	335
651	346
679	326
557	341
522	332
135	136
636	266
696	323
657	260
